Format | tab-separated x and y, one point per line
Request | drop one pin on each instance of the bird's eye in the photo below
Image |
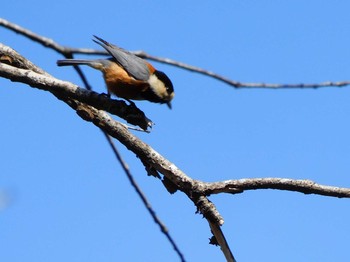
169	89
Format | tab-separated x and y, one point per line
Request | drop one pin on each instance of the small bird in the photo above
129	76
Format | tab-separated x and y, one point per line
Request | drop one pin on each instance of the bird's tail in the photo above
73	62
97	64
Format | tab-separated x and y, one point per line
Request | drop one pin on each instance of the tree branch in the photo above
301	186
237	84
47	42
68	52
130	113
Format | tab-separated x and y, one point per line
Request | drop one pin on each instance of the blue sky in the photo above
69	199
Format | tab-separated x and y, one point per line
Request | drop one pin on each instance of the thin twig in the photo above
146	203
45	41
68	52
238	84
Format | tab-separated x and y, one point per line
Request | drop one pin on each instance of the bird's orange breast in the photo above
121	84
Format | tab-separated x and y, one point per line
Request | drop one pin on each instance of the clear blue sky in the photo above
70	201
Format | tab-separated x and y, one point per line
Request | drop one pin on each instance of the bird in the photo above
128	76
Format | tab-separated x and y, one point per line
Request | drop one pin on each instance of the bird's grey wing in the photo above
134	65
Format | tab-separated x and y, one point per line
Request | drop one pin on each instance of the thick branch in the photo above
62	88
11	57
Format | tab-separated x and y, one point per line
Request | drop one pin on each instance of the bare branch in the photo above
11	57
238	84
68	52
47	42
302	186
130	113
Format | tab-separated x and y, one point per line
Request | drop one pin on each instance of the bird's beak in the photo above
169	105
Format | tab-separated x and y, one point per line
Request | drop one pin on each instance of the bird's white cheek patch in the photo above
157	86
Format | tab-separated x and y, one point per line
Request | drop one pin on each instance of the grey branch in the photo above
68	52
302	186
47	42
35	77
237	84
